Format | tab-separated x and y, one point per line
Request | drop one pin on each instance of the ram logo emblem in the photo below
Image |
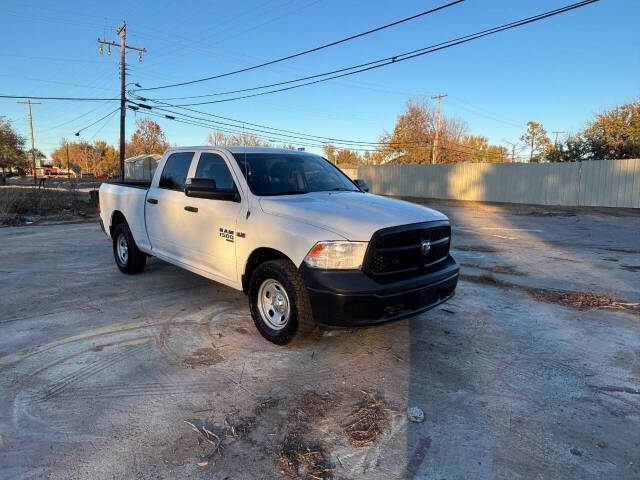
425	247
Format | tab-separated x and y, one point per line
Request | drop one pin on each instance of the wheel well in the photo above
258	256
116	219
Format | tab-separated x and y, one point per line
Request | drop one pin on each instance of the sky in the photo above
558	72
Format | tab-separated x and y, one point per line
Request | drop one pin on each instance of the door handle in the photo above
152	200
191	209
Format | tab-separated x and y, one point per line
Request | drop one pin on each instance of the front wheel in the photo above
129	258
279	302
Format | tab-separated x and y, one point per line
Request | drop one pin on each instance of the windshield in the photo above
291	173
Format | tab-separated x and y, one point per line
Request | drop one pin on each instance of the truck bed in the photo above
128	199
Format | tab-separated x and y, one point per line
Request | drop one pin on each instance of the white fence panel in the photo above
606	183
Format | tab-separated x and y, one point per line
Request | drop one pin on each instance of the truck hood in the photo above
352	215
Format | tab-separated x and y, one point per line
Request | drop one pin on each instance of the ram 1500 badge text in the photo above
304	242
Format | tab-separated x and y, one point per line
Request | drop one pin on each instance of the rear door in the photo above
213	222
166	219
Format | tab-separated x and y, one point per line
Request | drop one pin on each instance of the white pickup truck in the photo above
308	245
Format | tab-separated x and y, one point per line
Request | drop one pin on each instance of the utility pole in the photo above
434	153
33	148
68	163
122	31
513	149
555	142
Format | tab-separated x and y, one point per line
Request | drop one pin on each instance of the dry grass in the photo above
505	269
366	422
203	357
300	459
478	248
584	301
17	203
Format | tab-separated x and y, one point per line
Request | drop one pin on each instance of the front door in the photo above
213	248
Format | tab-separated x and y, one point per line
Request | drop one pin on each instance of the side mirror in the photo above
361	184
206	188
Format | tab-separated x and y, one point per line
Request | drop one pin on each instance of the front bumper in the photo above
352	298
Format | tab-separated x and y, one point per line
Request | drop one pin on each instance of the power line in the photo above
99	120
311	50
73	99
75	118
244	122
394	59
103	125
272	131
240	129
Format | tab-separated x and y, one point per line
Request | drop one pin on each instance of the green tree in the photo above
347	158
535	138
148	138
614	133
497	154
12	152
216	137
246	139
330	152
110	161
413	133
97	158
413	136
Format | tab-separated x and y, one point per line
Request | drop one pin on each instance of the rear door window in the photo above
174	173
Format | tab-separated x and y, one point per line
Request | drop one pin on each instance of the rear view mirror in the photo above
206	188
361	184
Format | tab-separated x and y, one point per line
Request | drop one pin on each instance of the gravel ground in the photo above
523	375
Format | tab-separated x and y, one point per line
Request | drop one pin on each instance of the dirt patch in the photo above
203	357
299	455
578	300
26	205
478	248
312	406
366	423
239	427
624	250
265	405
545	213
204	442
505	269
631	268
294	435
298	458
185	448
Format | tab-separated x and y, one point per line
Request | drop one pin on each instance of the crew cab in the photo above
306	244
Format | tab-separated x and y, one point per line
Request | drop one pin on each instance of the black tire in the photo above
300	322
135	260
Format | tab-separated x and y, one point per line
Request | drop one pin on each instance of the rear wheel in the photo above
279	302
129	258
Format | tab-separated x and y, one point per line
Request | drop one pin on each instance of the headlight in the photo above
336	255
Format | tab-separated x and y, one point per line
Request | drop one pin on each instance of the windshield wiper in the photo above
341	189
289	192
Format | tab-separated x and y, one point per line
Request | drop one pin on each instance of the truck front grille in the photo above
396	253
